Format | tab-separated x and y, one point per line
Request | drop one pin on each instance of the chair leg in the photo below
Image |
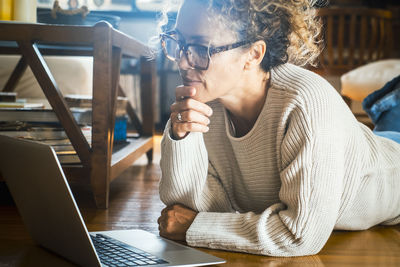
149	155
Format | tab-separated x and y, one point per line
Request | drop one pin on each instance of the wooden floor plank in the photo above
135	204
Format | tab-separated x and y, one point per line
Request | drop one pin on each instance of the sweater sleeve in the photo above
187	176
311	169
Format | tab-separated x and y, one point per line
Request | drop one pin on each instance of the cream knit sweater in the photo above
306	167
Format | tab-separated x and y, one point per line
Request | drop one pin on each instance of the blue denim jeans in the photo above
383	107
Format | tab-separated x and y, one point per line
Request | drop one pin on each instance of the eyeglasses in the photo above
198	56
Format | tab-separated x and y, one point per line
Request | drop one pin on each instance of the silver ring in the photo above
179	116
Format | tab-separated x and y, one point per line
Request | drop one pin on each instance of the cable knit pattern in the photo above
305	168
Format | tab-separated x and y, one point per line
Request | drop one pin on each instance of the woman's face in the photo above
224	73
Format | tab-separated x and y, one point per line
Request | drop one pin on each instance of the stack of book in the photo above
20	118
9	100
23	119
52	136
33	114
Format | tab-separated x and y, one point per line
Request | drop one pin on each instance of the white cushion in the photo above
73	75
360	82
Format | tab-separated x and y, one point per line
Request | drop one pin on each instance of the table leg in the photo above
148	84
115	72
101	117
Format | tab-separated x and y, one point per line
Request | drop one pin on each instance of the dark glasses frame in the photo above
183	47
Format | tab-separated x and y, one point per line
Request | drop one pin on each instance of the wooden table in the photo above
107	46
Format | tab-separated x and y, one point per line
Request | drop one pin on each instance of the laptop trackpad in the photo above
145	241
158	244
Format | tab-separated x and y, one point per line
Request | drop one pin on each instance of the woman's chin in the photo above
203	97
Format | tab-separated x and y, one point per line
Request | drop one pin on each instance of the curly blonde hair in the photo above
290	28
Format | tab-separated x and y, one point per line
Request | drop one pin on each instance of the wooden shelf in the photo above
123	157
107	46
129	153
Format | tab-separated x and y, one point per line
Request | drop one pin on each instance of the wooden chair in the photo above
353	37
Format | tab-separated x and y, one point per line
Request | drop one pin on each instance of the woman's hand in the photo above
187	114
174	222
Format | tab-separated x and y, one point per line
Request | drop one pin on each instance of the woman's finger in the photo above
181	128
184	127
164	211
191	104
190	116
182	92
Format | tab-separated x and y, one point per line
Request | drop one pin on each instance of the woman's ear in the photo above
255	54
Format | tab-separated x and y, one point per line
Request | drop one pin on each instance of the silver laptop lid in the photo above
39	188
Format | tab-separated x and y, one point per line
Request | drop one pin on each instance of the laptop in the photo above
40	190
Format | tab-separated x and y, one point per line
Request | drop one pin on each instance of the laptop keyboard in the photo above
115	253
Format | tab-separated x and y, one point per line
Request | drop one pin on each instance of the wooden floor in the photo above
134	203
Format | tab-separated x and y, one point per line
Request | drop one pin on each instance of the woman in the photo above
260	155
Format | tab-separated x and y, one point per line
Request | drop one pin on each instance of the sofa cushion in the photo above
72	74
360	82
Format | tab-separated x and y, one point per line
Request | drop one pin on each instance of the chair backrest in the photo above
353	37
